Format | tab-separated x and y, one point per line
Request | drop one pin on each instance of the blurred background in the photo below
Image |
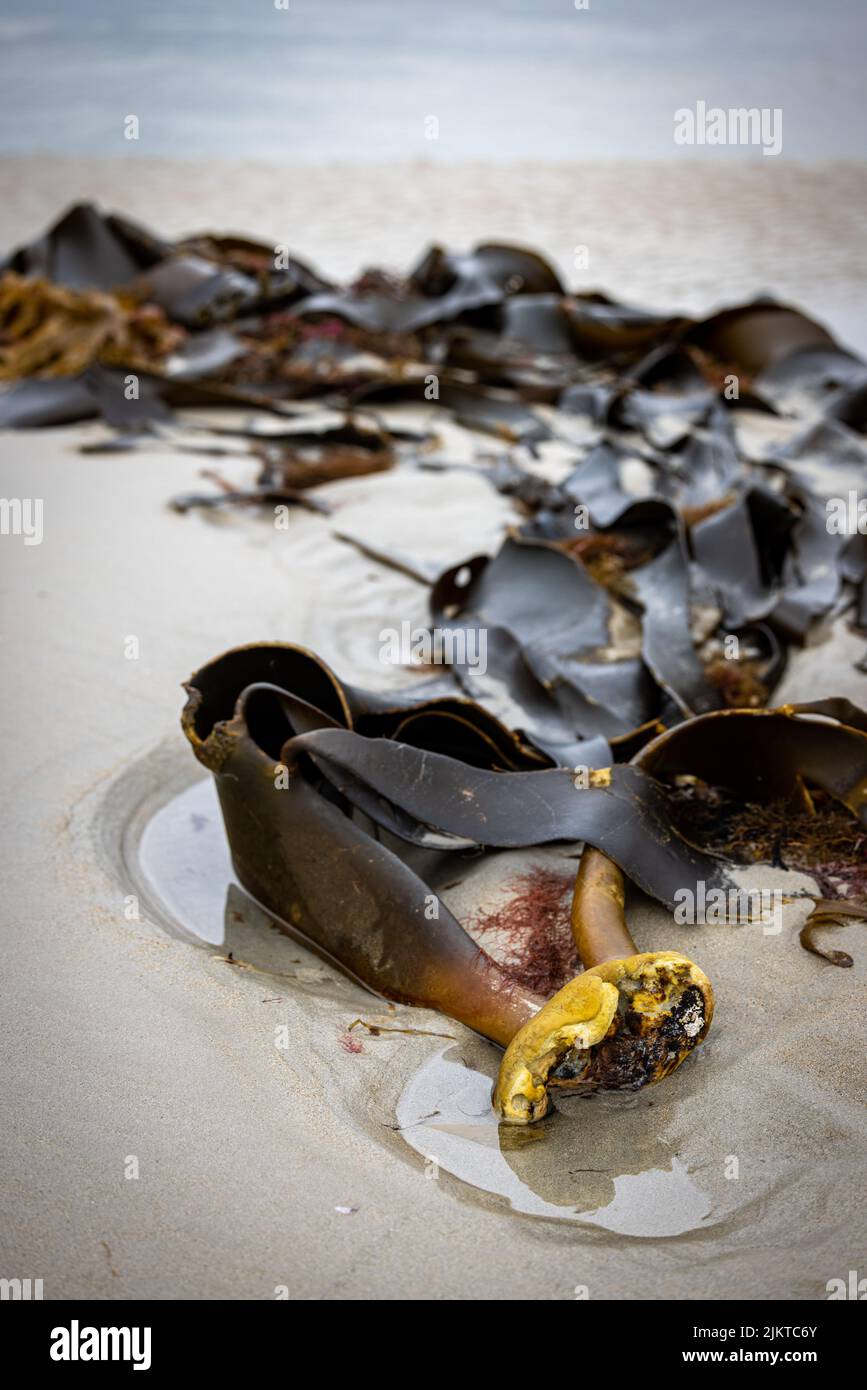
359	132
356	79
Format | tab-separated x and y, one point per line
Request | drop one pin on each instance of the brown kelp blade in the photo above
831	913
302	789
422	796
655	527
769	755
773	766
306	861
420	790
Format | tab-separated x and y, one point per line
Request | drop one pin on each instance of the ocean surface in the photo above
374	80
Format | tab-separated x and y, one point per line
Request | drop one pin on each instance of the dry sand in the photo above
127	1041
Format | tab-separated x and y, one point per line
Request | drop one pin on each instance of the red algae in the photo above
534	944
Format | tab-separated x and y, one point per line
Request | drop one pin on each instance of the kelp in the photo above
638	616
683	539
301	775
494	340
824	840
48	331
301	459
835	913
330	794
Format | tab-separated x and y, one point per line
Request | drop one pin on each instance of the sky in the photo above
375	80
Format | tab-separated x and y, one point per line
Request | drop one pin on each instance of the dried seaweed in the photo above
826	841
48	331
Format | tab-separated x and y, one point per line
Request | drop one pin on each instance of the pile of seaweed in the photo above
692	532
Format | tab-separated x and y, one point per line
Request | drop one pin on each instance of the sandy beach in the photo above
686	235
159	1139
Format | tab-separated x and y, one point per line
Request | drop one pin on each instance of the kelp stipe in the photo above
298	852
305	794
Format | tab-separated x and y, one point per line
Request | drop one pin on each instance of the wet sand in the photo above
131	1041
